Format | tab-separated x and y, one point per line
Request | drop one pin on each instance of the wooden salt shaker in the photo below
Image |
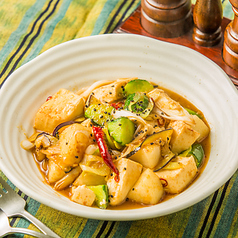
166	18
207	16
230	45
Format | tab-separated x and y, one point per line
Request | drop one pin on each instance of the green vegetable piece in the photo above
138	85
196	151
122	130
136	102
99	113
109	138
110	141
186	152
97	152
101	192
193	113
139	104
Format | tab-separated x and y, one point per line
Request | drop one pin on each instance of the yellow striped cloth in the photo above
30	27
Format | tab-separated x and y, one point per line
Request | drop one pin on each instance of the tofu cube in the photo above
201	128
148	155
148	189
111	92
179	179
183	136
129	172
63	106
83	195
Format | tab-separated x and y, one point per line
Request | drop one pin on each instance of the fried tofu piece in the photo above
111	92
148	189
179	179
148	156
83	195
73	142
201	128
63	106
129	172
183	136
55	173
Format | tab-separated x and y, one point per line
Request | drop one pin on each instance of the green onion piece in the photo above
193	113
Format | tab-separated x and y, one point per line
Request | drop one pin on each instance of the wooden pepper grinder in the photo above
230	45
166	18
207	16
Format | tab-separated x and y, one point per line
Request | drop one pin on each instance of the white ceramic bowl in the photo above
80	62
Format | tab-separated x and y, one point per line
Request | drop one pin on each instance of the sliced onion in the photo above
171	115
95	85
168	108
67	123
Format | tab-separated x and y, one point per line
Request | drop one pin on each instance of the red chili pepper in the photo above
165	182
99	135
117	105
50	97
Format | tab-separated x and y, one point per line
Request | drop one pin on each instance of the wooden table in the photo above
132	25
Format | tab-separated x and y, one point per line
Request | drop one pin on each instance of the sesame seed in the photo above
76	156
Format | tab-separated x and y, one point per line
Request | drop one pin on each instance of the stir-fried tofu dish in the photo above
118	142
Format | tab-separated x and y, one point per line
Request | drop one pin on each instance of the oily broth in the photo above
130	204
